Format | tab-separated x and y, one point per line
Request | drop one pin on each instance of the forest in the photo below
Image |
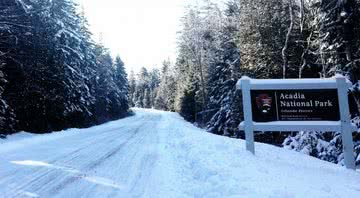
260	39
53	75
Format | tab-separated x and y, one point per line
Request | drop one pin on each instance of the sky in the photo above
142	32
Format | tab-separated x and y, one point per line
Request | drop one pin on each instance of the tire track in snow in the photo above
136	161
100	152
68	179
50	175
142	178
108	155
40	177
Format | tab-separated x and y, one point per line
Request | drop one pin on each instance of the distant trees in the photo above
153	89
165	95
54	75
141	87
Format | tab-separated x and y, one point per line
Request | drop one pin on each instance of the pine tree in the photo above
198	44
8	27
154	82
192	45
165	97
121	81
188	103
222	113
141	85
145	87
262	36
69	39
110	101
337	36
7	116
147	99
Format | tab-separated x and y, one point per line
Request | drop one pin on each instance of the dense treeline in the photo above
260	39
154	88
52	74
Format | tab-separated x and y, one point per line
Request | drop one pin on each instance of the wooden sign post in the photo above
297	105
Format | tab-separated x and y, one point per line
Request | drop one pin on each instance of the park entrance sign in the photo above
297	105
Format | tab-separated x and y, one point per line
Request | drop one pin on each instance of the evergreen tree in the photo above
147	99
188	103
144	88
7	116
154	82
223	75
262	37
110	101
192	48
50	64
165	97
198	45
337	35
141	86
122	82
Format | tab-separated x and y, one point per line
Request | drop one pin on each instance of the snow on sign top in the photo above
309	83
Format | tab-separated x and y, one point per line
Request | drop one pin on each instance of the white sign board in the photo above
297	105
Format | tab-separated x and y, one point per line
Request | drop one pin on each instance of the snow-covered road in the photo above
158	154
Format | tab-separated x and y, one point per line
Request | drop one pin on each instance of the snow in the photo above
16	137
158	154
306	83
27	8
298	126
31	163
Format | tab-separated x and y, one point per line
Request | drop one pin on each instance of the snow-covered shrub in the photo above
305	142
325	146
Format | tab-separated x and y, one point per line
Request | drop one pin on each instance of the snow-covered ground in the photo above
158	154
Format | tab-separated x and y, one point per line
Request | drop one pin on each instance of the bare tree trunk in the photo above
303	59
302	15
202	81
286	45
323	64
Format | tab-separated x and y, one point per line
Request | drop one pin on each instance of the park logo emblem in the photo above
264	103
